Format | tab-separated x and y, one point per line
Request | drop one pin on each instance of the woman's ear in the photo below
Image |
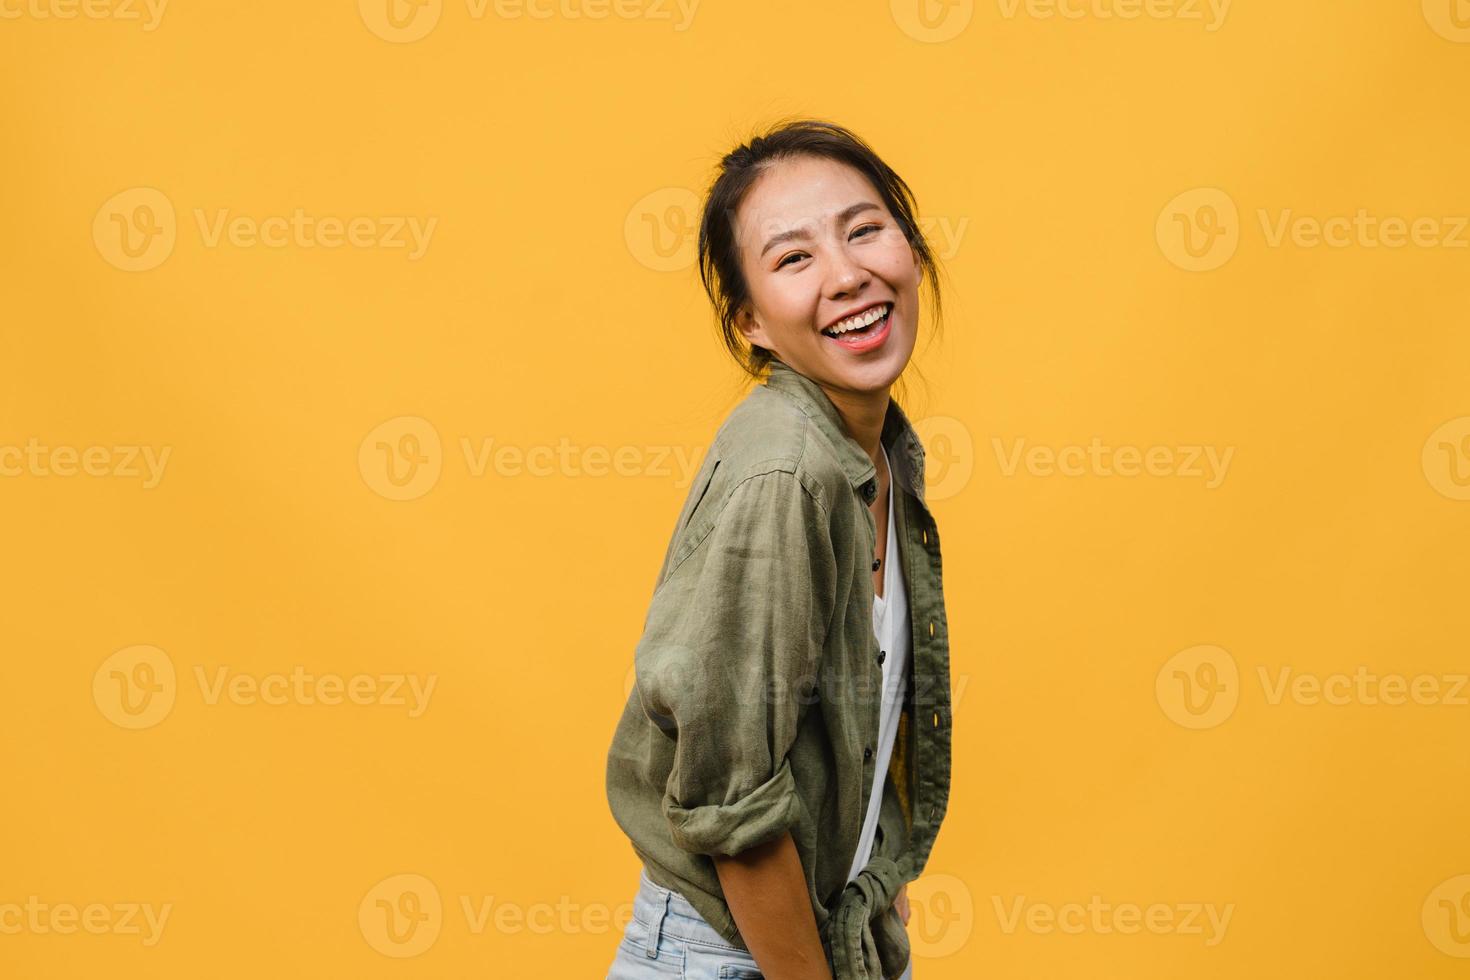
753	332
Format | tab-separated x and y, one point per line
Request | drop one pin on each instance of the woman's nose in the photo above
846	276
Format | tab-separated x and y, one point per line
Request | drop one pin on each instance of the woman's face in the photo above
817	246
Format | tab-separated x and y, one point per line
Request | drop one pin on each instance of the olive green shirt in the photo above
759	683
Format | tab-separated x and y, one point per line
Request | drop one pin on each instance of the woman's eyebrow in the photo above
842	218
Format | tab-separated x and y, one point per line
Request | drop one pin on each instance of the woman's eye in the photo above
868	227
788	258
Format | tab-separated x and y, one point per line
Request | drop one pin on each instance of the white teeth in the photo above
859	321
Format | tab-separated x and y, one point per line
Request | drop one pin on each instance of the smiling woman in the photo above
810	194
781	766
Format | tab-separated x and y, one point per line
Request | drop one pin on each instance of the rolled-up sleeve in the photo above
729	662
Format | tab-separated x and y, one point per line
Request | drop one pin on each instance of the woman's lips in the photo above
870	339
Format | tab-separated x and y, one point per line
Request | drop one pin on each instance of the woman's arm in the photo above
765	888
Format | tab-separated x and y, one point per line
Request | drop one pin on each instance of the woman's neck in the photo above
863	414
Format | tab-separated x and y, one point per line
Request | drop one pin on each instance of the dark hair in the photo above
719	258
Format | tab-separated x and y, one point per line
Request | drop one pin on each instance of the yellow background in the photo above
546	312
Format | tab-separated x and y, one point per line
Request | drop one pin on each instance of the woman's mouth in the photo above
864	332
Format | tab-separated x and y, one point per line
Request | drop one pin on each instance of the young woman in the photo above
781	767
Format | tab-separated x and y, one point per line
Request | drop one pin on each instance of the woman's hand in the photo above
901	902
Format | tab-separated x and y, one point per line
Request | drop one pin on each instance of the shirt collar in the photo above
905	451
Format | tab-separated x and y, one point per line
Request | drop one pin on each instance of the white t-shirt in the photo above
891	627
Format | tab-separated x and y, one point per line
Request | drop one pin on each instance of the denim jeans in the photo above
668	940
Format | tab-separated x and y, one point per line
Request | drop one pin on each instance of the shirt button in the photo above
867	753
876	563
881	655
